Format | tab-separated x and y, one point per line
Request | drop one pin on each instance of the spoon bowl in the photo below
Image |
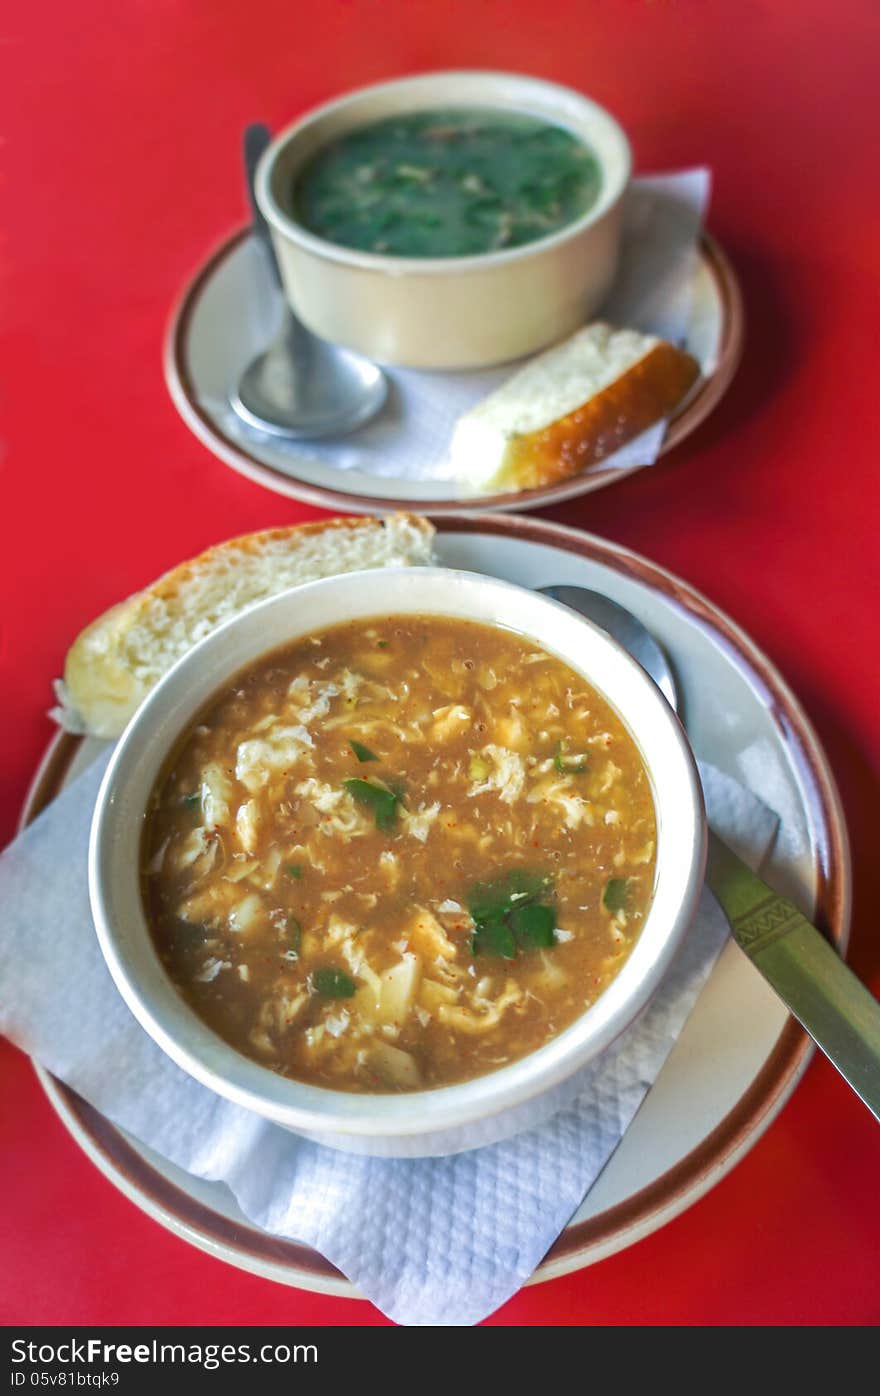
302	387
623	627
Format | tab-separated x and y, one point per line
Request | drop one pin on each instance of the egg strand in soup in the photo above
399	854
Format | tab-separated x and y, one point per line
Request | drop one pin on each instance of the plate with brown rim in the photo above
720	1087
229	311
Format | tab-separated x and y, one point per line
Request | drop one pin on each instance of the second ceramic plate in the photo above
739	1055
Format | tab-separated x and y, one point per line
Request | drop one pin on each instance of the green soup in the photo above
447	184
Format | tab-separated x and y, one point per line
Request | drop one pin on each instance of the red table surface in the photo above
122	172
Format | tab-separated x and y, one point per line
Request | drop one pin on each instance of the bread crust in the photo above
249	544
646	393
100	691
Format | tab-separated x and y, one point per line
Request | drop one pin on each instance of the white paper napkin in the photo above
430	1241
410	438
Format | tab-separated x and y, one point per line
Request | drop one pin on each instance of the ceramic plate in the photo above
722	1085
228	313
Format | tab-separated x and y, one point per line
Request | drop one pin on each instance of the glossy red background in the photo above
122	172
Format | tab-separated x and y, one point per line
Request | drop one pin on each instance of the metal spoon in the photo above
301	386
814	983
623	627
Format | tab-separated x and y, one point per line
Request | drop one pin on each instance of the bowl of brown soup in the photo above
392	856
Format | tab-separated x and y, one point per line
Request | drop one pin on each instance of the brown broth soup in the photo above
399	854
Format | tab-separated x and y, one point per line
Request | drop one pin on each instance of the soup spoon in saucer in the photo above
300	386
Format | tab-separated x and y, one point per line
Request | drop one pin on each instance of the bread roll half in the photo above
569	408
116	660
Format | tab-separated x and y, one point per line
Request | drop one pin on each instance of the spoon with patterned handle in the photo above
814	983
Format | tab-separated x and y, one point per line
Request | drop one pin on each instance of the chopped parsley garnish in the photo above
567	767
494	937
616	894
508	915
294	933
294	870
487	899
362	752
193	800
334	983
533	925
377	798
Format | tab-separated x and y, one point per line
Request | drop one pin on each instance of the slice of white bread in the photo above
570	407
116	660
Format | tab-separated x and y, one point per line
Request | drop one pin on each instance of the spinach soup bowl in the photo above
552	235
445	1119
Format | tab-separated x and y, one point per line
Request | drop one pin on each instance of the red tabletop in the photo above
123	172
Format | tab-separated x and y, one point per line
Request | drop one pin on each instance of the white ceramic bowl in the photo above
448	312
451	1118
